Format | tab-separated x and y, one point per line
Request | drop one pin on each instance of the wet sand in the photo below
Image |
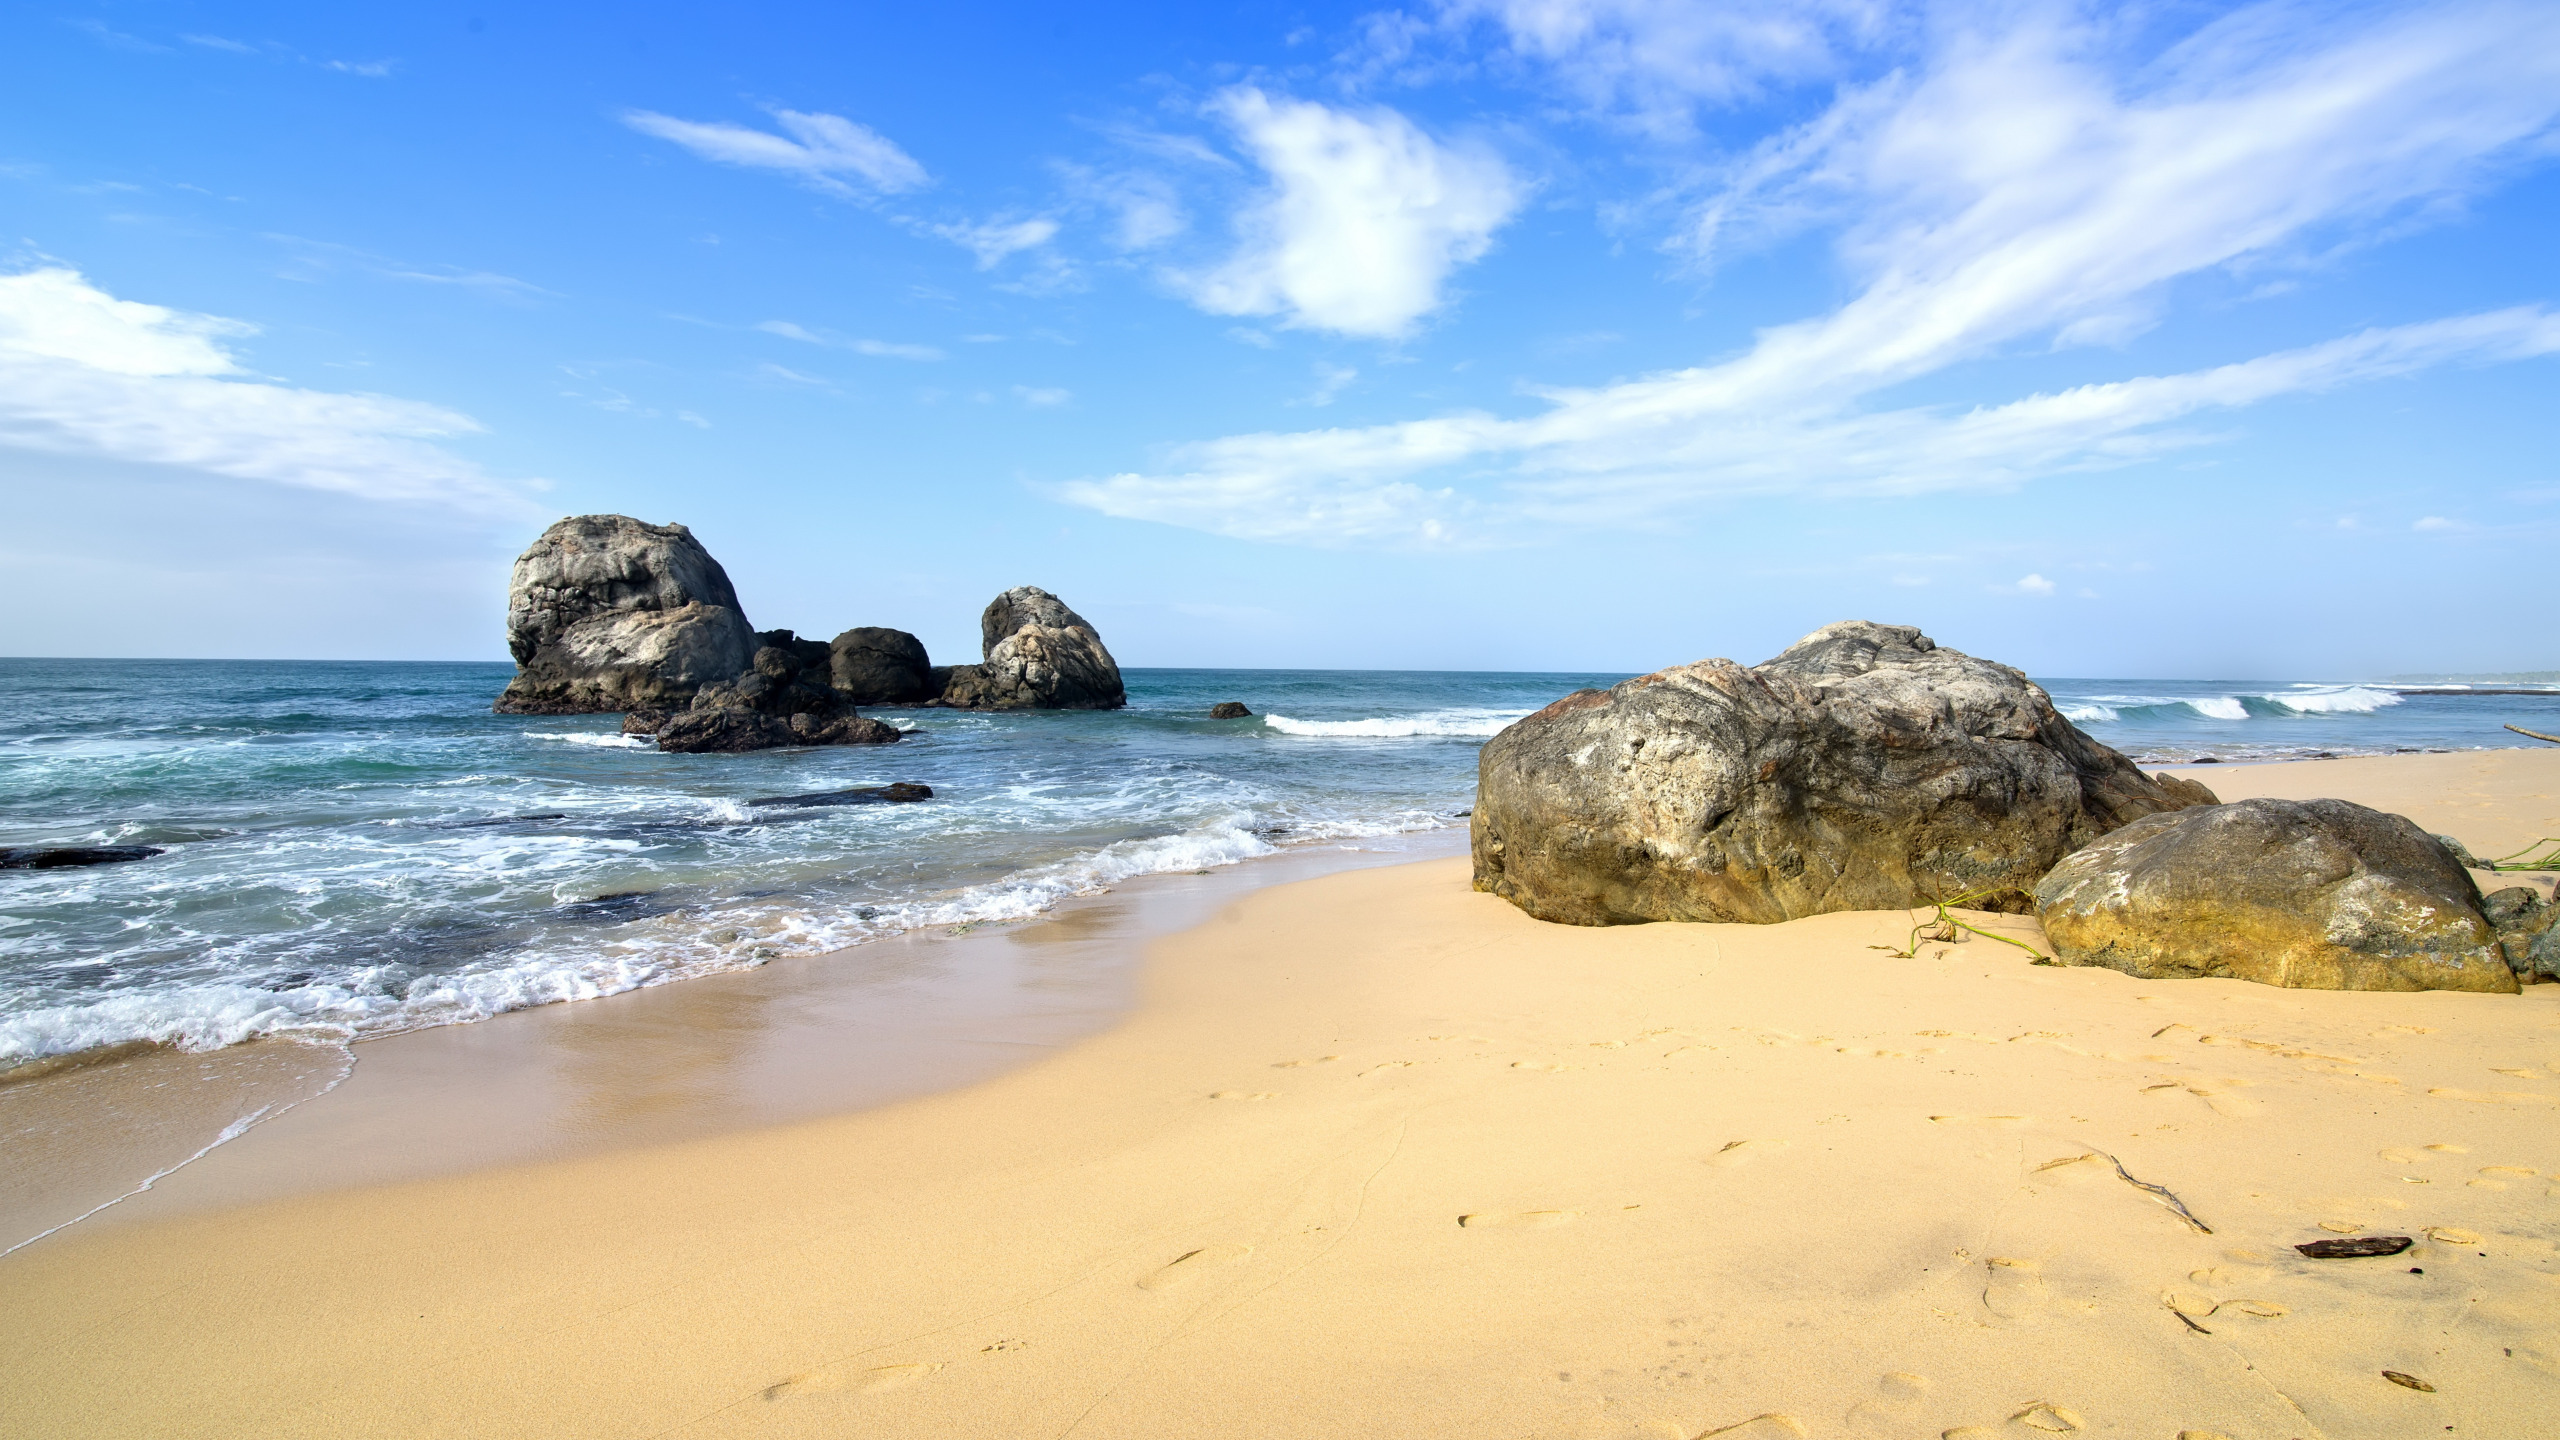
1375	1154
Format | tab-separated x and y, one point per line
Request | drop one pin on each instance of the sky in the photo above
2150	340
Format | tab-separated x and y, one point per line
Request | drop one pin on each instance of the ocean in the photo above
362	848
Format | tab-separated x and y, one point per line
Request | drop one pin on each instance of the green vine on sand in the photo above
2548	860
1945	923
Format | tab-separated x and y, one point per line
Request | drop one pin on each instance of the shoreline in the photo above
930	1009
1377	1154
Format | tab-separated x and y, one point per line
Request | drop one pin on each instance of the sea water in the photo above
357	848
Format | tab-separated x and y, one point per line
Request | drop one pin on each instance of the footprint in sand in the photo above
2013	1289
860	1380
1184	1269
2202	1435
1243	1095
2447	1235
1772	1426
1898	1397
1737	1152
1294	1064
1548	1066
2489	1097
2512	1172
2051	1418
1517	1219
2450	1149
2002	1121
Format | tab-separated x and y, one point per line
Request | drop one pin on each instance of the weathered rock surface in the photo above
781	700
64	857
1229	710
736	728
1040	655
876	666
2319	894
2528	929
607	613
1866	768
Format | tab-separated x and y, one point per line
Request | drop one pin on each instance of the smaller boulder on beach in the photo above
2318	894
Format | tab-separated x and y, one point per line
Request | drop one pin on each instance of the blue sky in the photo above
2168	340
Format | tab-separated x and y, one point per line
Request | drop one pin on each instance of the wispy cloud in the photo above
1364	218
823	150
858	345
83	373
1041	397
2012	190
315	258
993	240
1653	62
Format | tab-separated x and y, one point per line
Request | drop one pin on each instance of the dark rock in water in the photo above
898	792
2206	760
64	857
2356	1247
2319	894
872	665
1040	655
805	654
643	722
735	729
1229	710
607	613
1864	769
2528	930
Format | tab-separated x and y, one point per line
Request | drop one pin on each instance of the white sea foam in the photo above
1475	723
2351	700
2220	707
2083	714
617	742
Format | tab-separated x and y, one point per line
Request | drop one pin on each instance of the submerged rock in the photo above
1864	769
64	857
1229	710
2319	894
872	665
1040	655
896	792
607	613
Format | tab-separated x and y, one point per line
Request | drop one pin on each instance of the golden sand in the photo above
1379	1156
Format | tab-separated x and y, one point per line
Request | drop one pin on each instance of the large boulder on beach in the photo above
1867	768
1040	655
606	613
2318	894
872	665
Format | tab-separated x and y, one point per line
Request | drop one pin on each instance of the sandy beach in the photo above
1378	1155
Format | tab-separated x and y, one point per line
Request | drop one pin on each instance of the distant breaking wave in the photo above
1473	723
2345	700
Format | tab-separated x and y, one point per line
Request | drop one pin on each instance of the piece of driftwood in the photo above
900	793
2536	734
2172	1201
2356	1246
2407	1382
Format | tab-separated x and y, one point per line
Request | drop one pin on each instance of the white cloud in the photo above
2432	523
885	349
1364	218
1040	397
85	374
2008	192
821	149
1330	382
1653	60
2034	585
992	240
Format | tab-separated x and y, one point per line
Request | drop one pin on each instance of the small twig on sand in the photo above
2190	1323
2162	1191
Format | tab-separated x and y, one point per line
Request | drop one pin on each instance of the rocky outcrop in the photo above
1866	768
1229	710
2528	930
781	700
2319	894
607	613
875	666
65	857
1040	655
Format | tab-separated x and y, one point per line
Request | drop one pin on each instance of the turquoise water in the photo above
358	848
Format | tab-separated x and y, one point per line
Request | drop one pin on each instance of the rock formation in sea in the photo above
1040	655
607	613
1229	710
876	666
782	699
1864	769
2319	894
